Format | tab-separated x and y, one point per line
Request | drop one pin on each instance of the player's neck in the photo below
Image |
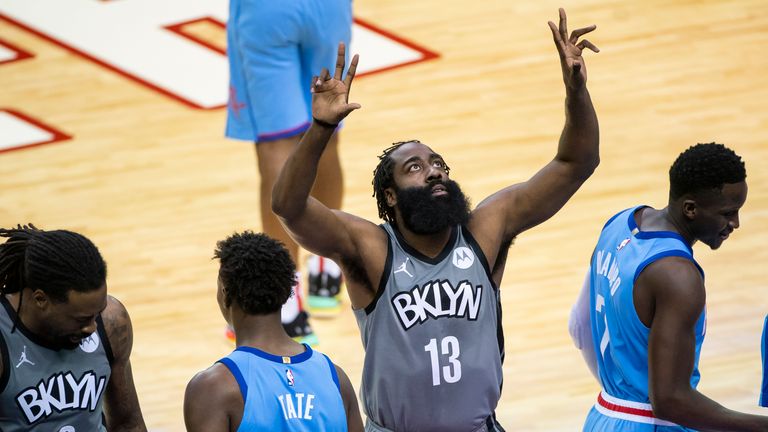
650	219
266	333
25	312
428	244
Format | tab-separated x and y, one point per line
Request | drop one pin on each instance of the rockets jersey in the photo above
433	340
299	393
45	389
621	339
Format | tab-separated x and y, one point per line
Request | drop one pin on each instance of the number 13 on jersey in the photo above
449	354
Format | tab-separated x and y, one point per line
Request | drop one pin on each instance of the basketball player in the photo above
65	343
424	285
270	382
273	50
642	312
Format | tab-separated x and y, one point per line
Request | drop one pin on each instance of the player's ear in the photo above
689	209
41	299
391	196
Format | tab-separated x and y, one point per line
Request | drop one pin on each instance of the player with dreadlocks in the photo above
65	344
424	285
640	320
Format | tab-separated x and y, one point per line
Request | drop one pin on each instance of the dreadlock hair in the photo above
383	178
52	261
705	166
257	272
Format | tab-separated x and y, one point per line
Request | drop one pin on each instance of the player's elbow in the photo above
670	406
588	167
283	206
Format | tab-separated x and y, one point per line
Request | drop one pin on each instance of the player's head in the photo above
411	182
65	276
708	185
256	273
383	179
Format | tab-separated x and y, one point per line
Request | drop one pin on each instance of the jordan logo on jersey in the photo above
61	392
23	359
404	268
436	299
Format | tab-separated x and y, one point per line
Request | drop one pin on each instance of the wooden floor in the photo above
154	183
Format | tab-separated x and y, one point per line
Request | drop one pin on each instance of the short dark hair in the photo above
383	178
54	262
705	166
257	272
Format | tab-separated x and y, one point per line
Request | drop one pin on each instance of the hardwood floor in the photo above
155	184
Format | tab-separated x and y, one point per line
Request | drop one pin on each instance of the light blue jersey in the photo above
621	339
299	393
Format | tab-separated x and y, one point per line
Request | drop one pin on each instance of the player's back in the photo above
298	393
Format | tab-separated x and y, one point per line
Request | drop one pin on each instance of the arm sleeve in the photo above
580	329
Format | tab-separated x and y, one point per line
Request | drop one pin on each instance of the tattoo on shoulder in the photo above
117	324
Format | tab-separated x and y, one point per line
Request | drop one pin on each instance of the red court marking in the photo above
105	65
20	53
426	54
179	29
56	135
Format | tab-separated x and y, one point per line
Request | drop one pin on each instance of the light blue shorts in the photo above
274	50
599	422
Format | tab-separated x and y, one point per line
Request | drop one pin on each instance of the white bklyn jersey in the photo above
432	338
44	389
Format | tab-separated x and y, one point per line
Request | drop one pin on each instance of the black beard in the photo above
423	213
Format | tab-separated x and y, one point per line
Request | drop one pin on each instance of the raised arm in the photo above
679	295
347	239
121	404
301	214
522	206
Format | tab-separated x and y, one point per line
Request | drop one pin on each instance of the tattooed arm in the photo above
121	404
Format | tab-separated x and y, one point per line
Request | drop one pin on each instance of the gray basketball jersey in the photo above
432	339
44	389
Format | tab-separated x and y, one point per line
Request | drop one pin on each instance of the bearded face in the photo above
432	208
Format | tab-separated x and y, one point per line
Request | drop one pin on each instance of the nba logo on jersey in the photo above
622	244
289	376
463	258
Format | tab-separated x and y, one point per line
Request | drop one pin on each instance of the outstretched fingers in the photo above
556	37
563	27
587	44
340	61
576	34
351	74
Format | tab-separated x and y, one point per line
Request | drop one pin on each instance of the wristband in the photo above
324	124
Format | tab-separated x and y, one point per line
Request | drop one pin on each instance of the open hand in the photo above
330	95
570	49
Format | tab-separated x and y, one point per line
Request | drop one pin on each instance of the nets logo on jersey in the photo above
437	299
61	392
